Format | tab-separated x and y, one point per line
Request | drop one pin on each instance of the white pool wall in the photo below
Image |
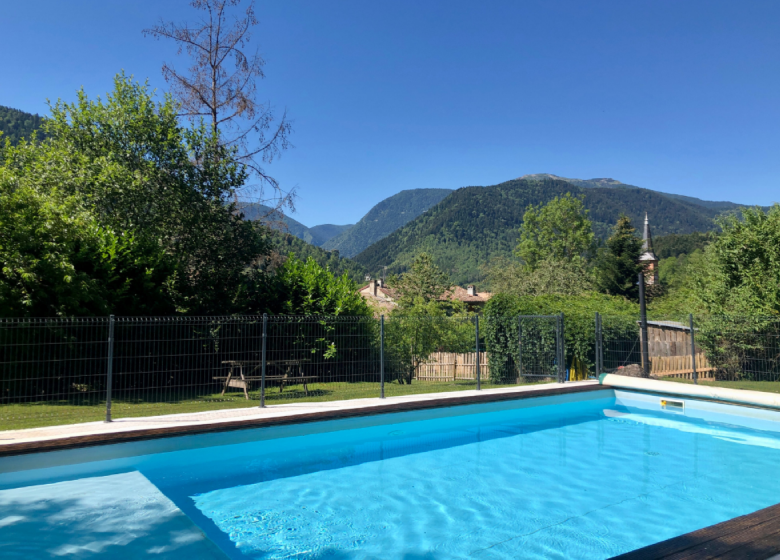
736	396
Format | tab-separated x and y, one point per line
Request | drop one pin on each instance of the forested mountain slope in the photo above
613	183
385	218
475	224
16	124
316	235
285	243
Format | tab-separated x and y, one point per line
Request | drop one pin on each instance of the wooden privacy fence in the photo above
680	366
449	366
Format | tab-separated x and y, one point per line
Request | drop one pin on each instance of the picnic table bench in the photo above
291	373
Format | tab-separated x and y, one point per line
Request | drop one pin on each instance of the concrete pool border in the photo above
72	436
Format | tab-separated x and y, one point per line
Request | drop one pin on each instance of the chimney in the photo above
472	291
372	287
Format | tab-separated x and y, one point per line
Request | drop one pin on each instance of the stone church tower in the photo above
648	258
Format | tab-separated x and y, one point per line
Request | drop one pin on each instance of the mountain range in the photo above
473	225
349	240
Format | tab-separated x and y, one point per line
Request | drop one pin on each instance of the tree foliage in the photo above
741	269
558	230
59	260
618	263
306	288
122	209
501	326
424	320
678	244
550	277
422	284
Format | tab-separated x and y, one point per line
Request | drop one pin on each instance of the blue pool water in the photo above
588	476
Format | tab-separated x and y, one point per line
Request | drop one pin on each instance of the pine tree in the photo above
618	265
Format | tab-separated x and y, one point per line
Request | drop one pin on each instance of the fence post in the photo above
110	366
262	374
562	367
643	326
519	347
476	328
558	346
599	356
693	351
382	355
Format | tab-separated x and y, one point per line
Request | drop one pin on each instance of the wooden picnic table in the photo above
287	367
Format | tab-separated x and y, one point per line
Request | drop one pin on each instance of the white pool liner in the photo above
118	516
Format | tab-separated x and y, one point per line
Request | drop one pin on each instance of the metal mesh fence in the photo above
59	371
525	349
52	371
740	351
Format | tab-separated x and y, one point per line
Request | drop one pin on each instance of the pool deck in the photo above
52	438
755	536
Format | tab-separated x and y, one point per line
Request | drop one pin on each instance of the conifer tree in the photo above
618	265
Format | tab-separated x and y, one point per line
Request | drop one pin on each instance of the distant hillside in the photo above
613	183
285	243
325	232
475	224
316	235
16	124
385	218
679	244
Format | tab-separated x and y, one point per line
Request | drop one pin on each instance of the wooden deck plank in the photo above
723	540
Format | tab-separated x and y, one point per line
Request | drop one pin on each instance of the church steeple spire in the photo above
648	257
647	245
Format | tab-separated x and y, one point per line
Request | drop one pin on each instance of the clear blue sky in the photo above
678	96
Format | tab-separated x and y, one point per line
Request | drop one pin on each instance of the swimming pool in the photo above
586	475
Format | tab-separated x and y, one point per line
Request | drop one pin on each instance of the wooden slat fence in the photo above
449	366
680	366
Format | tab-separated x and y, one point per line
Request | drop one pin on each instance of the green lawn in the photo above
53	413
765	386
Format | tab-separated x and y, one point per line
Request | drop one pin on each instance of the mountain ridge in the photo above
385	218
474	224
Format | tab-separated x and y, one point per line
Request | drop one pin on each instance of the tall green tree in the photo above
618	264
423	283
57	259
424	321
549	277
741	269
140	173
306	288
559	230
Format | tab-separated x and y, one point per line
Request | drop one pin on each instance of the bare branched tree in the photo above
221	87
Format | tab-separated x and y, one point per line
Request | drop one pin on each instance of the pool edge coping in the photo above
440	400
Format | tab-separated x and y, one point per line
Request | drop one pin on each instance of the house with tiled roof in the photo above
382	298
378	296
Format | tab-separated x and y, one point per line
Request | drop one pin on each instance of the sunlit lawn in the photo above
765	386
53	413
